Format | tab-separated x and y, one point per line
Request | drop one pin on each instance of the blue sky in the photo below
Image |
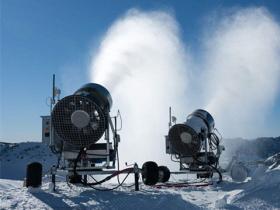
42	37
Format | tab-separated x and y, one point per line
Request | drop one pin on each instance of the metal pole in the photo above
51	143
107	138
85	178
136	177
53	89
169	125
53	181
53	171
115	142
206	149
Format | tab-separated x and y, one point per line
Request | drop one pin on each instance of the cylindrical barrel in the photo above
185	138
34	174
201	120
97	93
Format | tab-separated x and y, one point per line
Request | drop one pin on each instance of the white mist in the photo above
144	65
243	72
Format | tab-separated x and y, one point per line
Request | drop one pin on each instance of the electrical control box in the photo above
46	129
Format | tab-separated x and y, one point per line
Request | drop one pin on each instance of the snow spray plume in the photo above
142	62
144	65
243	70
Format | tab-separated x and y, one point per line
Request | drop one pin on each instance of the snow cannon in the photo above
186	139
81	119
195	143
81	131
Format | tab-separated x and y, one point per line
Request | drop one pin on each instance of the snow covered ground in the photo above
260	191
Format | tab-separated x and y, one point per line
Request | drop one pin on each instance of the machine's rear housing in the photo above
194	144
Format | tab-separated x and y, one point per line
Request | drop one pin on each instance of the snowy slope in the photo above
259	191
15	156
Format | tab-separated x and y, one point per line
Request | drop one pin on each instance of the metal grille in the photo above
180	147
82	137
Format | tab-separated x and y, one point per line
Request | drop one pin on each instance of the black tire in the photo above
164	174
75	179
34	174
150	173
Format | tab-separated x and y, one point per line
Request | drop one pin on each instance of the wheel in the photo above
163	174
34	174
150	173
75	179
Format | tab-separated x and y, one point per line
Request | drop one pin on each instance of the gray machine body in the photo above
201	120
186	139
194	143
78	121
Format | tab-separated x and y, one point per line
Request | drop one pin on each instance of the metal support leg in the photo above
85	178
136	177
53	182
53	171
53	179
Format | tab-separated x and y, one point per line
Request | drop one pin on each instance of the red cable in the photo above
179	185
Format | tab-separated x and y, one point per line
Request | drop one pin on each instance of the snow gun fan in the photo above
195	144
81	119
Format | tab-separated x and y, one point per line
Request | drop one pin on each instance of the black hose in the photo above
110	189
127	170
77	159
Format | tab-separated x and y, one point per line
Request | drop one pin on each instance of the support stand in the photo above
136	176
85	179
53	177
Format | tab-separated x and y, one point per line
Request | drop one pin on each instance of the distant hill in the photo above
14	158
260	148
